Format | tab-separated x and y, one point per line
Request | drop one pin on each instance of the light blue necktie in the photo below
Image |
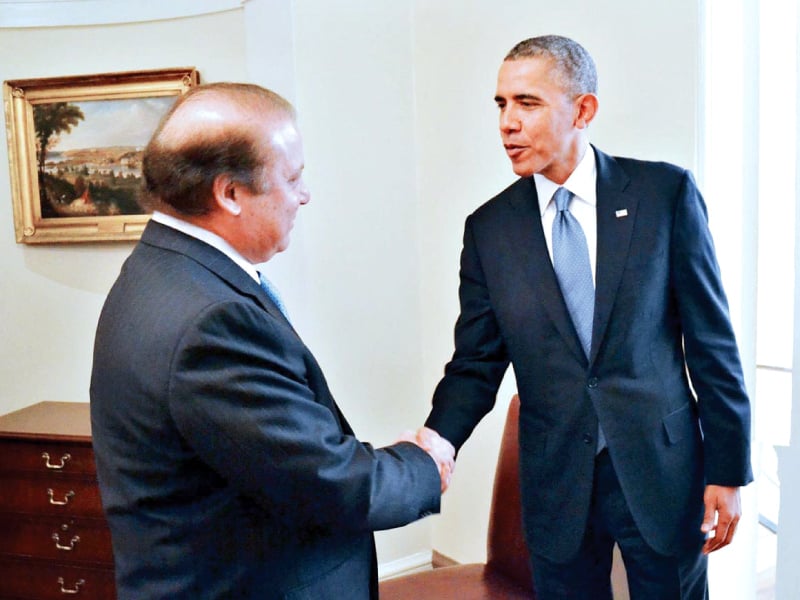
573	269
574	272
273	294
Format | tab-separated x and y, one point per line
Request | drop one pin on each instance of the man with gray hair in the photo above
596	278
225	466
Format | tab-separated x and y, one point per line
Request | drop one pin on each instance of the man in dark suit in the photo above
616	444
225	467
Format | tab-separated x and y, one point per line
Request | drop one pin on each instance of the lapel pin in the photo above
623	212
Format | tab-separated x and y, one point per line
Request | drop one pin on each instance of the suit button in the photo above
592	383
588	438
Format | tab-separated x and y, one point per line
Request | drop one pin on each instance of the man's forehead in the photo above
204	113
212	109
208	117
522	75
526	65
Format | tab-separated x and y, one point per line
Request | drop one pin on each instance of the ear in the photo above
587	105
225	197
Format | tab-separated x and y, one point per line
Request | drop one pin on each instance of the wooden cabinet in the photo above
54	541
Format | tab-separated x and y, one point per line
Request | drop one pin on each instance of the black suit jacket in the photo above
659	309
225	467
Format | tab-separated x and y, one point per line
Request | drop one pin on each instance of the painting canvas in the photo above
75	151
89	155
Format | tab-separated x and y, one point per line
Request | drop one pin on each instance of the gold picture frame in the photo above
74	149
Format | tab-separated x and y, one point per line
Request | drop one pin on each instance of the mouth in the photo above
513	150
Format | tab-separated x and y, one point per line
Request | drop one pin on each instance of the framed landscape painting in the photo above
75	149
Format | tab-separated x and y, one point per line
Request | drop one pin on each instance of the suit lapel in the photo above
539	277
616	215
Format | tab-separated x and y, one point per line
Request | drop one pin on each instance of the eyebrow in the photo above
519	97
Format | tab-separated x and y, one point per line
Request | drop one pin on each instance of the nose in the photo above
508	120
305	195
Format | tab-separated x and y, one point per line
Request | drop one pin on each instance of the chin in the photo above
281	247
523	170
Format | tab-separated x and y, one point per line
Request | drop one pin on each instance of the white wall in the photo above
788	576
360	294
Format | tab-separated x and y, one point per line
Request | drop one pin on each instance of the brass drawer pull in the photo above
75	590
63	502
75	539
58	466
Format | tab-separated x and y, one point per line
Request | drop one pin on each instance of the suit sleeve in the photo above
710	348
241	395
469	387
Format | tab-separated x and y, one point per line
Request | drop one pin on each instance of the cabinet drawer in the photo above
60	496
56	538
32	580
41	456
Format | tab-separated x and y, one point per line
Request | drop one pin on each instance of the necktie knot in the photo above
562	197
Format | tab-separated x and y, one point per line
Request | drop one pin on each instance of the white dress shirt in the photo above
582	182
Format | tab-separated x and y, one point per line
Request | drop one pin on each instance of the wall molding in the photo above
421	561
73	13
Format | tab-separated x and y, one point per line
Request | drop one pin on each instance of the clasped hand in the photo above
439	449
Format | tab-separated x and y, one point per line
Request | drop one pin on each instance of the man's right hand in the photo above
440	450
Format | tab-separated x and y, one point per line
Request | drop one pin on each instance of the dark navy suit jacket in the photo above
660	309
225	467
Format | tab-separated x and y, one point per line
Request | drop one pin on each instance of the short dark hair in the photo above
573	62
179	170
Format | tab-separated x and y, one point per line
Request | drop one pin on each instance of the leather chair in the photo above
507	573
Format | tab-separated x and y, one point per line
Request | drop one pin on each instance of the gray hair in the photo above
577	70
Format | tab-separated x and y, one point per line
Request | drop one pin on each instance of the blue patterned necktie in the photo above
273	294
573	269
574	272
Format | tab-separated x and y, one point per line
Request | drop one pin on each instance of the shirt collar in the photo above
210	238
582	182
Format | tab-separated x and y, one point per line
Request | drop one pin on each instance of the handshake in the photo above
439	449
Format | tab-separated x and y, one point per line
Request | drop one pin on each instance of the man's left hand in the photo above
723	511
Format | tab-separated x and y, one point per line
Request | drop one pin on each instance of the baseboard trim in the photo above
440	560
420	561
